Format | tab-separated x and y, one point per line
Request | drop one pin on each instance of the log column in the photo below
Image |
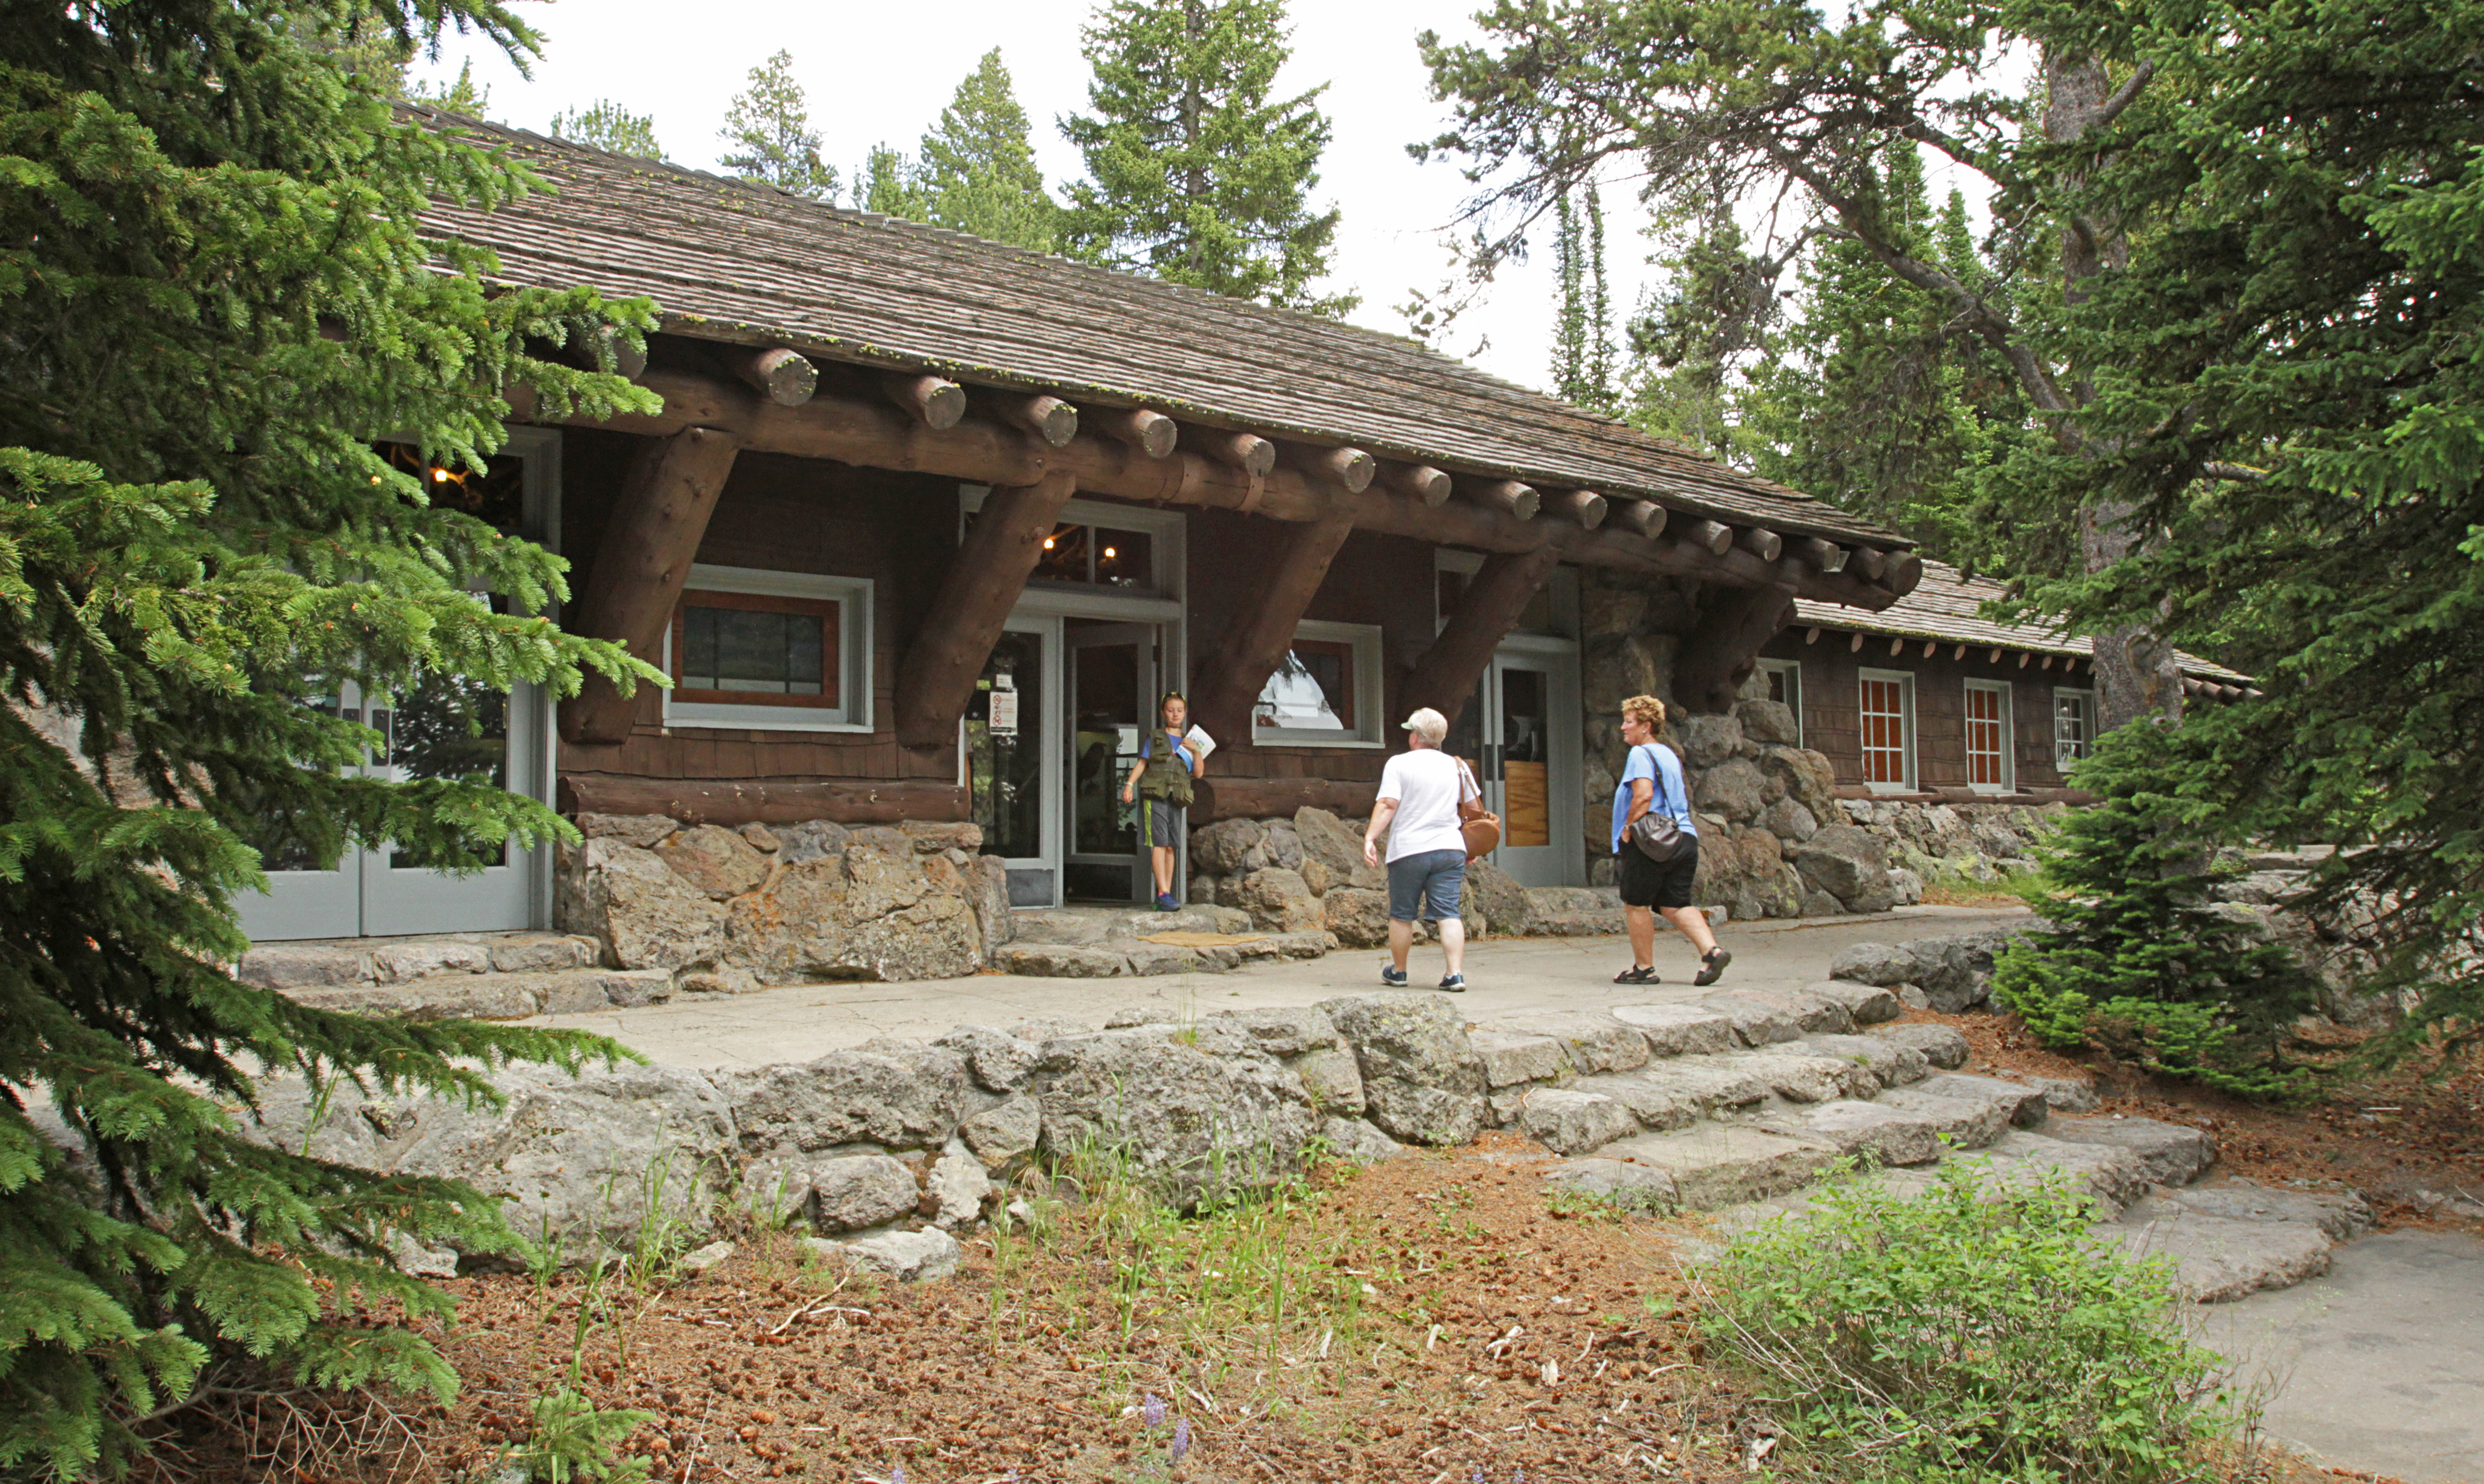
1445	678
977	592
1255	642
642	565
1740	621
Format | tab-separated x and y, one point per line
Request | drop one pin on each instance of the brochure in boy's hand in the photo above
1200	743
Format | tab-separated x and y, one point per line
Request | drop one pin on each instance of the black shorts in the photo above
1650	883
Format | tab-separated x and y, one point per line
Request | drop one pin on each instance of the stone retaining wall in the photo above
814	900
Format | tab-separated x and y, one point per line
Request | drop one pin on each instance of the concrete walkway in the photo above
2377	1366
797	1022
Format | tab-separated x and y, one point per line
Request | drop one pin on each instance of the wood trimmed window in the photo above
1327	692
769	651
757	649
1987	737
1781	681
2073	726
1888	713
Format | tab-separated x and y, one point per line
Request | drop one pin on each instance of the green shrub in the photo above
2138	961
1976	1331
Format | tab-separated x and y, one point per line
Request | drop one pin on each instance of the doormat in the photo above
1201	940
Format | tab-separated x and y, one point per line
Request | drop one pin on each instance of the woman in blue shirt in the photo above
1652	779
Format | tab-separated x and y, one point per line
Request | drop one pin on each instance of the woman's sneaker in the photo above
1393	976
1455	984
1166	904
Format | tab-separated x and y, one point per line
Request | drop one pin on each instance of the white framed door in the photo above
1521	729
1012	750
444	727
1112	671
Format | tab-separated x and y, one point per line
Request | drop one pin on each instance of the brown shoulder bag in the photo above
1479	824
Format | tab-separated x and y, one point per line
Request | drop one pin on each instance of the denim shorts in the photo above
1427	885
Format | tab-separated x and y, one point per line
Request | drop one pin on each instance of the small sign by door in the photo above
1003	718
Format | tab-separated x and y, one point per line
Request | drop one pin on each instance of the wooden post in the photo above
1422	481
1761	541
1719	657
1643	518
935	401
1905	573
1586	507
1827	555
1248	452
1866	562
784	377
1519	502
1047	417
642	565
1445	678
977	592
1256	640
1350	470
1151	433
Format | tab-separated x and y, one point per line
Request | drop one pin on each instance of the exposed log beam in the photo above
1228	797
1518	501
1350	470
1642	518
977	592
1585	508
873	434
1421	481
642	565
1710	535
1866	562
1719	657
1826	555
1906	573
1761	541
784	377
1248	452
937	403
762	800
1046	416
1255	641
1445	678
1151	433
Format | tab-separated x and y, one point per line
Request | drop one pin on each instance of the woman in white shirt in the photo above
1416	811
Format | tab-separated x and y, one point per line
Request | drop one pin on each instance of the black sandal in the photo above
1712	965
1636	975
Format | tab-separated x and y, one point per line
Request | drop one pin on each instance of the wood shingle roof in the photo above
729	260
1948	606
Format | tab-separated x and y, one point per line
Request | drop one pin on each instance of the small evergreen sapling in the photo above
2136	960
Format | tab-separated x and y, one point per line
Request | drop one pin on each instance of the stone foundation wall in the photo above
1985	842
813	901
1306	874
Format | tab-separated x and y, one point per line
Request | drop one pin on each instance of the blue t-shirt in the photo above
1660	766
1180	749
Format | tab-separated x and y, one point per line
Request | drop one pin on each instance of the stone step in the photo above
1123	957
2113	1178
1088	927
1714	1165
1883	1135
2170	1153
2218	1259
334	963
503	996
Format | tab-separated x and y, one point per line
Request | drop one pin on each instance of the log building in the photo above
926	522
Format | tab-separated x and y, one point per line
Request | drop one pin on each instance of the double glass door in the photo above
1051	736
1521	730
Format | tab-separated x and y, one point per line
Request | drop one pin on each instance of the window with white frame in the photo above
772	650
1781	681
2073	726
1888	698
1987	737
1327	691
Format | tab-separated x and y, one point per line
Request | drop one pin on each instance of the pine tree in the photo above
886	184
216	294
1692	337
1195	174
978	168
607	125
769	127
461	97
1871	398
1582	356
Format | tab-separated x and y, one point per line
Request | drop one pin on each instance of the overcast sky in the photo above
884	72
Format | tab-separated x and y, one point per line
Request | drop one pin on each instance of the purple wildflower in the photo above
897	1474
1153	1412
1180	1439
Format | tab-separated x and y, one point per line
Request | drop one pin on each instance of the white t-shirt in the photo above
1427	784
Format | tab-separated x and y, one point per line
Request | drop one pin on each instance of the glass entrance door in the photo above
1521	729
1113	670
1014	755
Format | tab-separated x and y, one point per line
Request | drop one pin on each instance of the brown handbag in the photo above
1480	826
